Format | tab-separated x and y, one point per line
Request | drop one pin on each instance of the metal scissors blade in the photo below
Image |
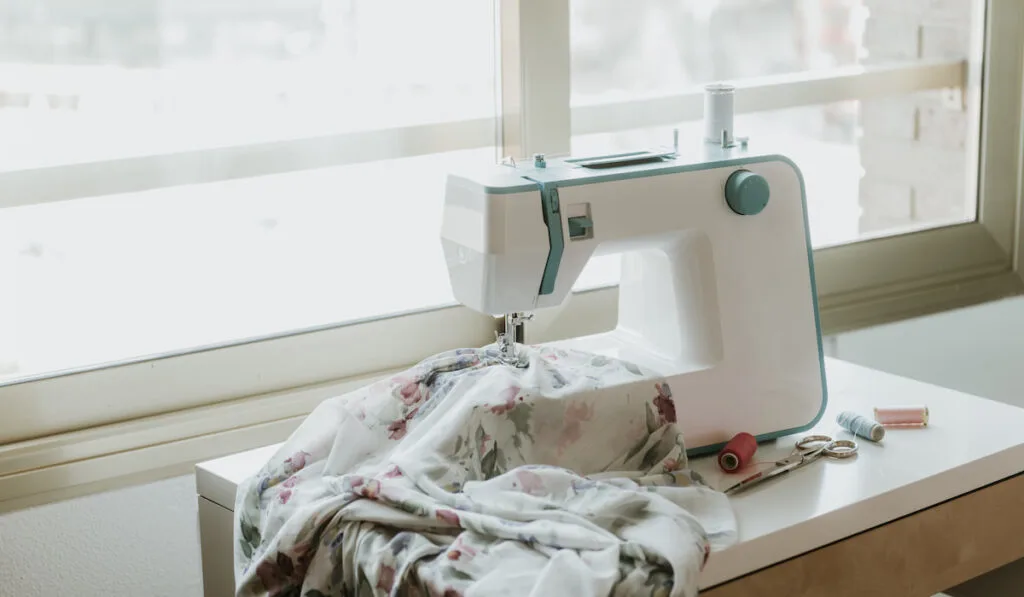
781	467
806	451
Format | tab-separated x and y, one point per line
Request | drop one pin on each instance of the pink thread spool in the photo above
902	416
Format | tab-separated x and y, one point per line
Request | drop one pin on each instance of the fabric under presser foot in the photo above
568	476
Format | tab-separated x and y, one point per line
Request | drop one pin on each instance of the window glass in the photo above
876	167
111	278
87	80
629	49
102	279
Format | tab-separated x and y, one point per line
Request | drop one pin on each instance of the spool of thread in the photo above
902	416
718	113
737	453
861	426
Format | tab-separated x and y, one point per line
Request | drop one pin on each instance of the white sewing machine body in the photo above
715	295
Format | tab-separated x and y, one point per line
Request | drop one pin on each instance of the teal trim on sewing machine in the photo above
556	241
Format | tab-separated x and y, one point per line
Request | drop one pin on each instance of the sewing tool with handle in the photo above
737	453
807	450
902	416
861	426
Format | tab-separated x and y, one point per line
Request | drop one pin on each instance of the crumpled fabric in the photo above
464	476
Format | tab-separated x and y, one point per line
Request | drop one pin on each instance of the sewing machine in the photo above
717	288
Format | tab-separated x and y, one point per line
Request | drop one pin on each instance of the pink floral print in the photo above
663	402
385	578
396	429
530	482
576	413
410	393
296	461
507	400
447	516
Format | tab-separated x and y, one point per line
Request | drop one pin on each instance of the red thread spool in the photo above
737	453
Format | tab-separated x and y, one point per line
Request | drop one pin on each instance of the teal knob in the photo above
746	192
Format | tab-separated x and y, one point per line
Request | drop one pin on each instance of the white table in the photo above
925	510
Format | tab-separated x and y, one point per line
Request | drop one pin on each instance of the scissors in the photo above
807	450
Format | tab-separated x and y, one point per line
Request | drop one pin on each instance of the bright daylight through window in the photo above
177	174
182	263
880	166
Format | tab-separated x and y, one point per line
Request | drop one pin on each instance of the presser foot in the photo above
508	351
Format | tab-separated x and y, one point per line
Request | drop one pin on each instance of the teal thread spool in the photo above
861	426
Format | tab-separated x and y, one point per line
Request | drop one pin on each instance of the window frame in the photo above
87	430
143	173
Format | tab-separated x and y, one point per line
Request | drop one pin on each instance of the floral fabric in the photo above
463	476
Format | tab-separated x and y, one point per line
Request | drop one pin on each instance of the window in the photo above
214	215
894	112
183	182
180	175
873	165
111	278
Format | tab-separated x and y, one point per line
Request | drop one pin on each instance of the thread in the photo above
718	113
861	426
902	416
737	453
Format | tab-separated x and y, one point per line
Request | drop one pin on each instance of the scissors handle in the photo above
824	445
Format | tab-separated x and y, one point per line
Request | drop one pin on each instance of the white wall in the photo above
137	541
143	540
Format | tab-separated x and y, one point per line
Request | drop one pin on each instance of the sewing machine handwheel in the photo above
746	193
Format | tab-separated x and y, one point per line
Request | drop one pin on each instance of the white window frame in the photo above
92	429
